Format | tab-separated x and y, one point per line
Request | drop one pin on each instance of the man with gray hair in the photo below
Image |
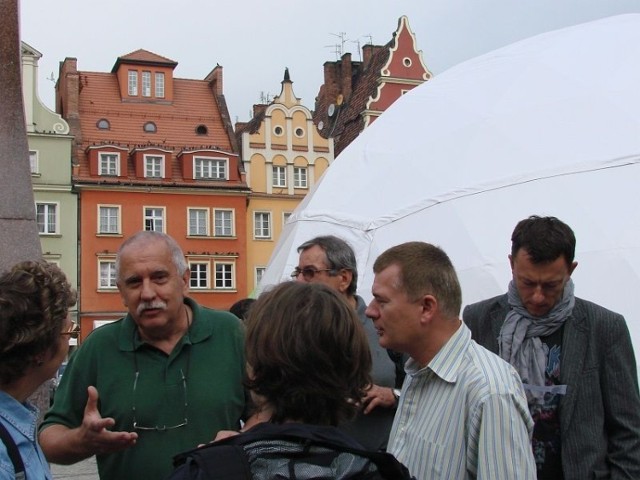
169	373
331	261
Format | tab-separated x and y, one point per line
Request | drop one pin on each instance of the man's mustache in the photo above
158	304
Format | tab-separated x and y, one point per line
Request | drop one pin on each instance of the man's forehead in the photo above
313	254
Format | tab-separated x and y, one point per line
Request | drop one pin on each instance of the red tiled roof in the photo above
145	57
194	104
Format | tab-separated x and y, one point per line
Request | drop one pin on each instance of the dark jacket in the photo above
600	413
292	451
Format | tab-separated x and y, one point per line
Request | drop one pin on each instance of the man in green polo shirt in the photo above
161	380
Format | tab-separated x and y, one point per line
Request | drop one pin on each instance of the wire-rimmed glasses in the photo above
73	331
160	428
308	272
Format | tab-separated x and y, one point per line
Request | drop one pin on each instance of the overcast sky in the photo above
254	40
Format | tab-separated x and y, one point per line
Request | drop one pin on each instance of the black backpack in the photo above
229	460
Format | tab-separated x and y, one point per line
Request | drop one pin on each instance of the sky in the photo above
255	40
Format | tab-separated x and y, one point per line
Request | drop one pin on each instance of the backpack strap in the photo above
13	452
388	466
219	462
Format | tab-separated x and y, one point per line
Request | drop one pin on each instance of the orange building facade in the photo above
154	152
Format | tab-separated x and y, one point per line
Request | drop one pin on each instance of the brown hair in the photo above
308	354
424	269
34	302
545	239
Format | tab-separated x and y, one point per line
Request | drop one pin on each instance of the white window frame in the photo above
33	162
228	278
159	80
150	214
300	177
205	212
105	159
132	83
258	273
279	176
151	166
46	218
146	83
118	220
204	168
108	281
259	225
285	217
230	232
205	272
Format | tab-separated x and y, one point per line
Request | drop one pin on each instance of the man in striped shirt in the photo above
463	413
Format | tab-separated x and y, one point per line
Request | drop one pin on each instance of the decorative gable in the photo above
354	94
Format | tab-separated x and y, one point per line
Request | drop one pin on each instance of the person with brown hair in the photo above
463	412
35	328
575	358
331	261
308	365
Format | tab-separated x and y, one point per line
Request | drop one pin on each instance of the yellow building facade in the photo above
283	156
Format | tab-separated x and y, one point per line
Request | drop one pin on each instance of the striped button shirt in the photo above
463	416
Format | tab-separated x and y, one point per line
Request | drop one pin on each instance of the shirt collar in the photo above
447	362
22	416
198	331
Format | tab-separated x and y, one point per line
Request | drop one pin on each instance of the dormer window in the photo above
150	127
159	85
133	83
207	168
146	84
103	124
153	166
109	164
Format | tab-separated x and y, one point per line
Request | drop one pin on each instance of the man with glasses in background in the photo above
159	381
331	261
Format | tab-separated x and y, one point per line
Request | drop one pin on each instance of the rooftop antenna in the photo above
343	39
357	42
265	97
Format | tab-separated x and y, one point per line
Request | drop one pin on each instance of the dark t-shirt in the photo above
546	432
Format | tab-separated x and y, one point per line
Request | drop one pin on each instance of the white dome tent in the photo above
549	126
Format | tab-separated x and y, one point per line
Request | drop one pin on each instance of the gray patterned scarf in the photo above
519	338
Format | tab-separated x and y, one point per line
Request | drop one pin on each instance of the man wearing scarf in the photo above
575	359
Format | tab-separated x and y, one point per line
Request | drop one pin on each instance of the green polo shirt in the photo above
211	359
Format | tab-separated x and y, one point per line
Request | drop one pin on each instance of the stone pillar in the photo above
19	238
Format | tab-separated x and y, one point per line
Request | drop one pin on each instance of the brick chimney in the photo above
68	100
331	84
345	76
68	89
368	51
258	108
215	80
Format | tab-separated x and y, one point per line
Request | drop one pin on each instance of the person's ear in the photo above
186	276
428	306
345	279
572	267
